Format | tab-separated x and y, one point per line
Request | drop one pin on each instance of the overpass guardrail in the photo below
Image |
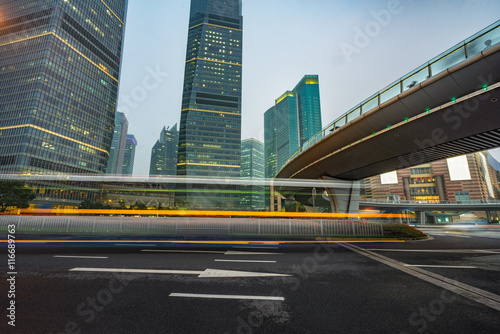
191	226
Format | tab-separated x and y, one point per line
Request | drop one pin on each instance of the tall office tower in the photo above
308	107
164	153
293	120
270	143
117	152
129	158
252	166
287	128
210	127
60	64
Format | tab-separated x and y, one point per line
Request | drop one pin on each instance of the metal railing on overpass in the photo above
191	226
470	47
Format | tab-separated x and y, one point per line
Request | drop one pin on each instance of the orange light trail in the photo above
184	213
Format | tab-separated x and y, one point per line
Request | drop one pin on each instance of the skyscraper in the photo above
293	120
270	143
210	127
117	152
252	166
129	158
308	107
60	64
164	153
287	128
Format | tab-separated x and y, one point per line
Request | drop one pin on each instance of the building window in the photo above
423	191
462	196
420	171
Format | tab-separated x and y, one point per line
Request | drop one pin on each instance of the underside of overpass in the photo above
453	113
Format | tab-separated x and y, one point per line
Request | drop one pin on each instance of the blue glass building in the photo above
287	128
117	152
294	119
308	108
129	157
164	153
210	126
270	143
60	63
252	167
59	72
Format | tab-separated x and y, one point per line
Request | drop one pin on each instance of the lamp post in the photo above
314	196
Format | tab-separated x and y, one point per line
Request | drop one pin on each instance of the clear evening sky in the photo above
284	40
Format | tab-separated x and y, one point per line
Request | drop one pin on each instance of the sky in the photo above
283	40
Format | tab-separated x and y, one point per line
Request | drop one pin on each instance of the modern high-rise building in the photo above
59	72
252	158
164	153
252	166
117	152
129	158
287	128
210	127
270	149
294	119
308	107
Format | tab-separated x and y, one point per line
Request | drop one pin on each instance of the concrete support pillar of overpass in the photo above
345	197
280	201
275	198
271	195
421	217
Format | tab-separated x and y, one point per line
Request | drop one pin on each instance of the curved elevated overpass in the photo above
447	107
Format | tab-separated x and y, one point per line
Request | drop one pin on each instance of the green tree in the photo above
295	207
138	206
86	205
15	194
93	205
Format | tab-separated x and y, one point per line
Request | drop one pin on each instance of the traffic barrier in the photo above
180	226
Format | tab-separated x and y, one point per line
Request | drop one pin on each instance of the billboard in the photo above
459	168
389	178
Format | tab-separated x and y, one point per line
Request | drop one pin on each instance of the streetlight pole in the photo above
314	197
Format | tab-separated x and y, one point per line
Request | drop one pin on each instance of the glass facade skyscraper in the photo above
117	152
293	120
129	157
164	153
287	128
270	143
308	107
252	158
210	127
59	71
252	166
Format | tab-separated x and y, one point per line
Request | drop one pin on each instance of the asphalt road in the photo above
411	287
